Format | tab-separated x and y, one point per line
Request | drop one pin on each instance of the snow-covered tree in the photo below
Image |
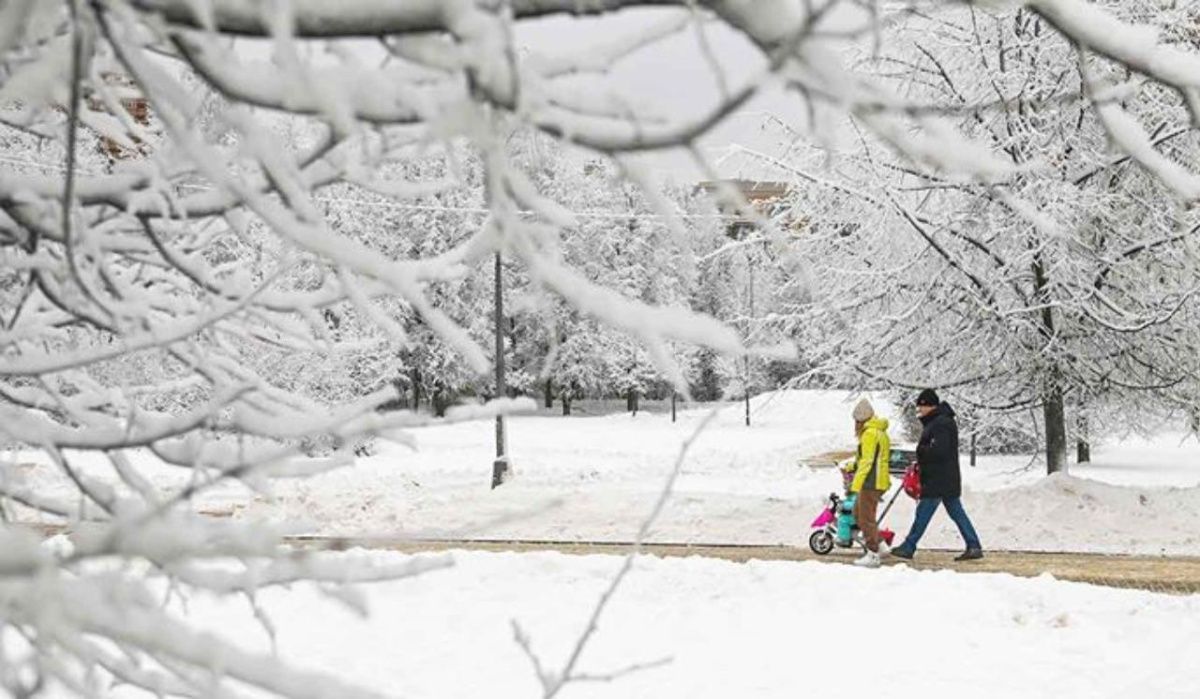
171	302
1058	281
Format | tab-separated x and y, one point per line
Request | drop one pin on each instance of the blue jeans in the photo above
925	509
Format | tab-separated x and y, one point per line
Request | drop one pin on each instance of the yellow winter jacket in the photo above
874	450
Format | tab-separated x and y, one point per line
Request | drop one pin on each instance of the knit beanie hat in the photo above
863	411
928	397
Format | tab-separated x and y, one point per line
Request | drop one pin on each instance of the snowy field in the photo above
595	478
759	629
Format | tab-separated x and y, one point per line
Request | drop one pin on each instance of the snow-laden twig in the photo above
554	681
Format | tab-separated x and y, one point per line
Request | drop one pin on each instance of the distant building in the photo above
137	107
767	198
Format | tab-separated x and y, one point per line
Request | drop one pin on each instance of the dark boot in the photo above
901	552
970	555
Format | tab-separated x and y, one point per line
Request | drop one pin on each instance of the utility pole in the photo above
500	468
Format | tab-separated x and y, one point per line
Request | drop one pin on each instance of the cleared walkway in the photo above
1173	575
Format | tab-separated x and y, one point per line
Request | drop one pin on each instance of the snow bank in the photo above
760	629
1064	513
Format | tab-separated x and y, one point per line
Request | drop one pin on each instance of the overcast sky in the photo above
674	78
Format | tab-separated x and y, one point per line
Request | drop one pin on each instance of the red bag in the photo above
912	482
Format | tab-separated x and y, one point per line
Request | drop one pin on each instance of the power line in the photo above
358	202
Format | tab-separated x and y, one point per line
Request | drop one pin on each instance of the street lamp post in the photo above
749	331
500	467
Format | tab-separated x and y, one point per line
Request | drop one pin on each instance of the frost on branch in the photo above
1050	290
201	278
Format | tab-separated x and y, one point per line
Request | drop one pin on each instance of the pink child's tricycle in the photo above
834	526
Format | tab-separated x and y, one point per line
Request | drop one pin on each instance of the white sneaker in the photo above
870	559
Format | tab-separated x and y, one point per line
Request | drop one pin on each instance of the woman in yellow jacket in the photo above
871	479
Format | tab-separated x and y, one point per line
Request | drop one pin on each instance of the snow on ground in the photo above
759	629
595	478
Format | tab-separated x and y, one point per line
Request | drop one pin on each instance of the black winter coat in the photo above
937	453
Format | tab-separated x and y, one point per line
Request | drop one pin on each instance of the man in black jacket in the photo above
941	479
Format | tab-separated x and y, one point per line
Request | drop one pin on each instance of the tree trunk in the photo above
673	395
438	400
566	404
415	379
1056	431
749	326
972	448
548	393
1083	448
746	386
1052	406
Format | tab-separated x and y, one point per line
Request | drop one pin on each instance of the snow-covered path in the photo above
1173	575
